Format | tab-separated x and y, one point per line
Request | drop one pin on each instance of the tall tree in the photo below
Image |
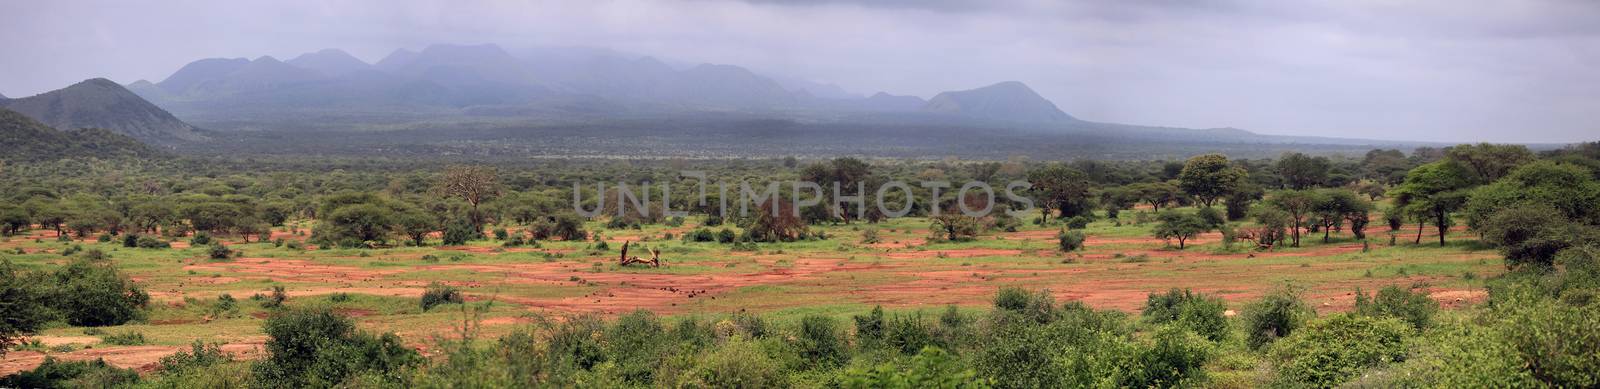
475	184
1302	171
1210	177
1435	190
1298	204
1060	188
1488	162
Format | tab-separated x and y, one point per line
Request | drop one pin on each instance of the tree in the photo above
1060	188
1302	171
23	306
94	293
1532	234
474	184
1385	166
13	220
1435	190
352	225
1238	202
1117	199
1210	177
1298	204
415	225
1158	194
1570	189
1333	207
1180	226
1488	162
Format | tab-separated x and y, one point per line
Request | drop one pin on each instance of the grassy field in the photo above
838	276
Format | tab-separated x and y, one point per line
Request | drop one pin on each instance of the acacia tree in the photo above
1157	194
1180	226
1060	188
1210	177
474	184
1335	206
1298	204
1432	191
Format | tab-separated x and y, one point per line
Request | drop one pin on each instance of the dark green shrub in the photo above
819	342
130	240
318	348
54	373
1070	240
26	305
219	251
1176	359
458	232
90	293
1079	222
1331	351
1414	308
1211	217
500	234
726	236
1039	307
437	294
200	238
151	242
932	367
1193	311
1276	315
634	344
129	338
276	299
200	355
869	327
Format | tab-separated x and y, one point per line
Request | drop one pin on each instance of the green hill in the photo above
23	139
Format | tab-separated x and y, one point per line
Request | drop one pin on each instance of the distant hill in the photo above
100	103
330	62
25	139
1008	100
887	102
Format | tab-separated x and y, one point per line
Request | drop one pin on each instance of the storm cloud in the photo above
1523	71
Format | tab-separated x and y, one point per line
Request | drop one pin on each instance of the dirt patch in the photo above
952	253
142	358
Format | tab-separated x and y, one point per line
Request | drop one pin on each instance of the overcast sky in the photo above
1448	70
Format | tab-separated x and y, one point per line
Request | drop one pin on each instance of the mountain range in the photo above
461	99
487	78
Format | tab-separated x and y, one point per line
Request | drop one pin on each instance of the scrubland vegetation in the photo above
1301	271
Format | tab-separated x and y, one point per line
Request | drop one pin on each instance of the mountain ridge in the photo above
101	103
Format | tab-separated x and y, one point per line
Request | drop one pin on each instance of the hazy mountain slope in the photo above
25	139
886	102
330	62
458	65
100	103
197	72
727	85
1008	100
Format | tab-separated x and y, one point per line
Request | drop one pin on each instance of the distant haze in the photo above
1510	71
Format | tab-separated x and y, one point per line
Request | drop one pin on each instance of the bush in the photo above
1079	222
129	338
1329	352
151	242
819	341
130	240
1533	234
870	236
738	364
932	367
1276	315
276	299
438	294
1211	217
500	233
200	239
95	294
1176	360
1038	306
458	232
1070	240
1414	308
200	355
318	348
26	306
700	235
726	236
1193	311
634	344
54	373
219	251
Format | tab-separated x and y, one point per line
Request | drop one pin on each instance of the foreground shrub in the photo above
819	341
737	364
1414	308
1276	315
930	368
25	306
1331	351
1176	358
94	293
55	373
318	348
219	251
1197	312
